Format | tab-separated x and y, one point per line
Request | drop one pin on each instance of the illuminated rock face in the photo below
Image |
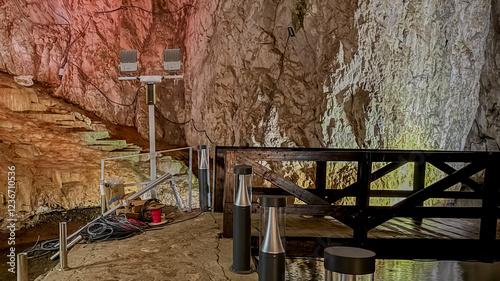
485	132
356	74
372	74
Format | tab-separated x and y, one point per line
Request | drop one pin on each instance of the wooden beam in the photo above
333	193
362	199
449	170
219	180
312	154
431	190
386	170
320	180
418	183
279	181
229	163
397	248
488	229
351	189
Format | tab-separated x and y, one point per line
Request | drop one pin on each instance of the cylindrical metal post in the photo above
22	267
190	178
104	204
203	174
272	248
151	100
63	233
241	220
349	264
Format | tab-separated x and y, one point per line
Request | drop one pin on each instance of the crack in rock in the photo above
219	250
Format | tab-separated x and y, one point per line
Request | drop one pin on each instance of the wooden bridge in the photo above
405	230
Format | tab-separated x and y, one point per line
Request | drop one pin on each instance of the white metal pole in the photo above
152	147
101	186
208	177
190	176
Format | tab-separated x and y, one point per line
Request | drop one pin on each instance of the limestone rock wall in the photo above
358	74
367	74
355	74
485	131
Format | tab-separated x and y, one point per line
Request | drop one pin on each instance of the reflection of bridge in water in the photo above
405	230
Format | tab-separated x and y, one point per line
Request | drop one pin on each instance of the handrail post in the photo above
419	182
190	178
487	233
363	199
320	181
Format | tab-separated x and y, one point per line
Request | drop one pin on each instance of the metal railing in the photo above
153	154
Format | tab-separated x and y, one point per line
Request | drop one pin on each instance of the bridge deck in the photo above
434	238
396	228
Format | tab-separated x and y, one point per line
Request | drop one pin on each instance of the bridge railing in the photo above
362	216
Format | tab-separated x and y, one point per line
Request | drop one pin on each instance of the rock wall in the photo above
54	169
56	151
358	74
352	74
485	131
366	74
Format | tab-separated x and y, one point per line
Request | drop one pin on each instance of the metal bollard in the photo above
22	267
63	234
104	204
349	264
272	238
203	177
242	220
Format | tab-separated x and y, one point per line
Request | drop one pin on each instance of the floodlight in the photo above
172	59
128	60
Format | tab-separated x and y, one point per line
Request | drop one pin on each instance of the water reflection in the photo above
405	270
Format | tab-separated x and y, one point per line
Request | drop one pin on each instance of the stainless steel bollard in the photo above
103	204
203	177
272	238
349	264
63	234
242	219
22	267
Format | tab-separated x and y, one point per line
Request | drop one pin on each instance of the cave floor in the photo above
189	250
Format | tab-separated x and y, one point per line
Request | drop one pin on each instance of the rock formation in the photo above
356	74
485	131
351	74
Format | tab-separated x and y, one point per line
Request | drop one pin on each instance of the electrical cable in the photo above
142	212
184	123
50	245
125	7
85	78
32	248
188	219
113	228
